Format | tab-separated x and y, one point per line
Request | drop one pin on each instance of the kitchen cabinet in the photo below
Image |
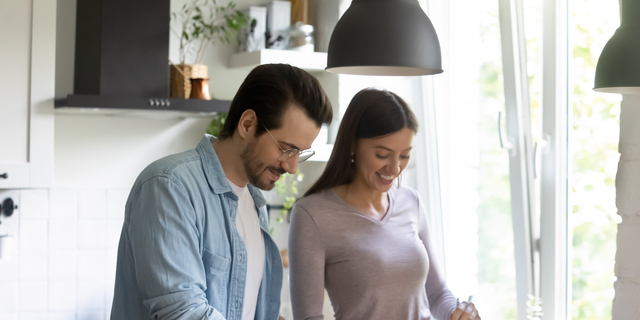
27	83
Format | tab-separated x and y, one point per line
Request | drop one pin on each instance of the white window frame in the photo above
554	285
540	242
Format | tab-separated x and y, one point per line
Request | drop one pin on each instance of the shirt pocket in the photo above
217	275
214	261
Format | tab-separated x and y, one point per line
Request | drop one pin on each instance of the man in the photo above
195	242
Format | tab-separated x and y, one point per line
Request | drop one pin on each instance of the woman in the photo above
364	239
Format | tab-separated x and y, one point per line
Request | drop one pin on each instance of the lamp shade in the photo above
618	68
384	37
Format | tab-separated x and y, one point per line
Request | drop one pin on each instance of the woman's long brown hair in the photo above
371	113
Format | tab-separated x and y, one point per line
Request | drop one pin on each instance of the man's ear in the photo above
247	124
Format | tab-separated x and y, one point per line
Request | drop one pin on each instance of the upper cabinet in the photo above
27	88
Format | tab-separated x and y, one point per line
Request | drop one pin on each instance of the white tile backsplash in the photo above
91	315
114	229
9	267
8	296
63	265
116	200
33	265
61	315
9	315
32	315
91	295
63	234
62	295
34	204
33	234
112	262
33	296
63	203
92	203
108	296
92	264
92	233
65	250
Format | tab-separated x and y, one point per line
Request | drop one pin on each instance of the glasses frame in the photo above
289	153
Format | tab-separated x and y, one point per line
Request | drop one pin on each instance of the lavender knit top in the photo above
371	269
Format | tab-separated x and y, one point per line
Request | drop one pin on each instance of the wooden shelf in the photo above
310	61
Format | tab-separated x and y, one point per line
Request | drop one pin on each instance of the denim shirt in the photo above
180	255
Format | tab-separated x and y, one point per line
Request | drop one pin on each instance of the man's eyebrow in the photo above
291	145
385	148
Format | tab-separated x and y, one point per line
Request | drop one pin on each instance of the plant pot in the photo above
181	74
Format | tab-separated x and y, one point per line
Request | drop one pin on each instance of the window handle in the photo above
543	144
504	143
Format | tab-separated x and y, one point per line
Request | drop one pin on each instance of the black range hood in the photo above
121	60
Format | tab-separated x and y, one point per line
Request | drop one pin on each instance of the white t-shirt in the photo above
248	224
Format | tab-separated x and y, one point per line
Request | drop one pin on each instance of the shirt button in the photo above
237	304
240	257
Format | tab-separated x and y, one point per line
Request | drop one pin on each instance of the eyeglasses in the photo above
304	155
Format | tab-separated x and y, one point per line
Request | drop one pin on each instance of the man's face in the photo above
260	157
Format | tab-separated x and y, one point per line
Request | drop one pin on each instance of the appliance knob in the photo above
8	206
157	103
168	102
151	103
4	176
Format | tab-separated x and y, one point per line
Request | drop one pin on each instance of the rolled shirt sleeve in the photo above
164	240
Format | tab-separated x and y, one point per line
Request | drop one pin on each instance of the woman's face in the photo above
380	160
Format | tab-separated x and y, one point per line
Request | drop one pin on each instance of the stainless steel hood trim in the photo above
117	105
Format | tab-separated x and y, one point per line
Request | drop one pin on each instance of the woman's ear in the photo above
247	124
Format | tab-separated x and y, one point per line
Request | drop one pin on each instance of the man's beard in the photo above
253	167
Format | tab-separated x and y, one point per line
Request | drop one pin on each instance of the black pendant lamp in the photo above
386	38
618	68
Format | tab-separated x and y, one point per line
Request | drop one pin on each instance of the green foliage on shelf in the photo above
201	22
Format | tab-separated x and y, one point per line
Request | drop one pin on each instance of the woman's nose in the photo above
394	166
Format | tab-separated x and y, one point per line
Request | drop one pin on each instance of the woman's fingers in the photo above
465	311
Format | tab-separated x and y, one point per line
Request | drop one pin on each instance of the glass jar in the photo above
301	37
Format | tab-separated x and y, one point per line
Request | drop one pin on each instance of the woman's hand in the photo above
465	311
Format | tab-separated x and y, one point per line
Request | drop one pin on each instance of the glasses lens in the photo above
305	155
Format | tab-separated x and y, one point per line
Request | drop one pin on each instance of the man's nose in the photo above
290	165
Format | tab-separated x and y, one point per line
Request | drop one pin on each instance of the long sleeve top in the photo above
180	255
372	269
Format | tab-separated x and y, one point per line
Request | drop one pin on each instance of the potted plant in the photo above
197	24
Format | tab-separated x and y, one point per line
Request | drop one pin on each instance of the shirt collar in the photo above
215	174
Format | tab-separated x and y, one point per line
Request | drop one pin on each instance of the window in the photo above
537	215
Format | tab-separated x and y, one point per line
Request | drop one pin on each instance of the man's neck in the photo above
228	152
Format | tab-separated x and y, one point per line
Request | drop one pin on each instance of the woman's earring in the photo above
352	158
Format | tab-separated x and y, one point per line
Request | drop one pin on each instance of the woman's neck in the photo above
362	197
